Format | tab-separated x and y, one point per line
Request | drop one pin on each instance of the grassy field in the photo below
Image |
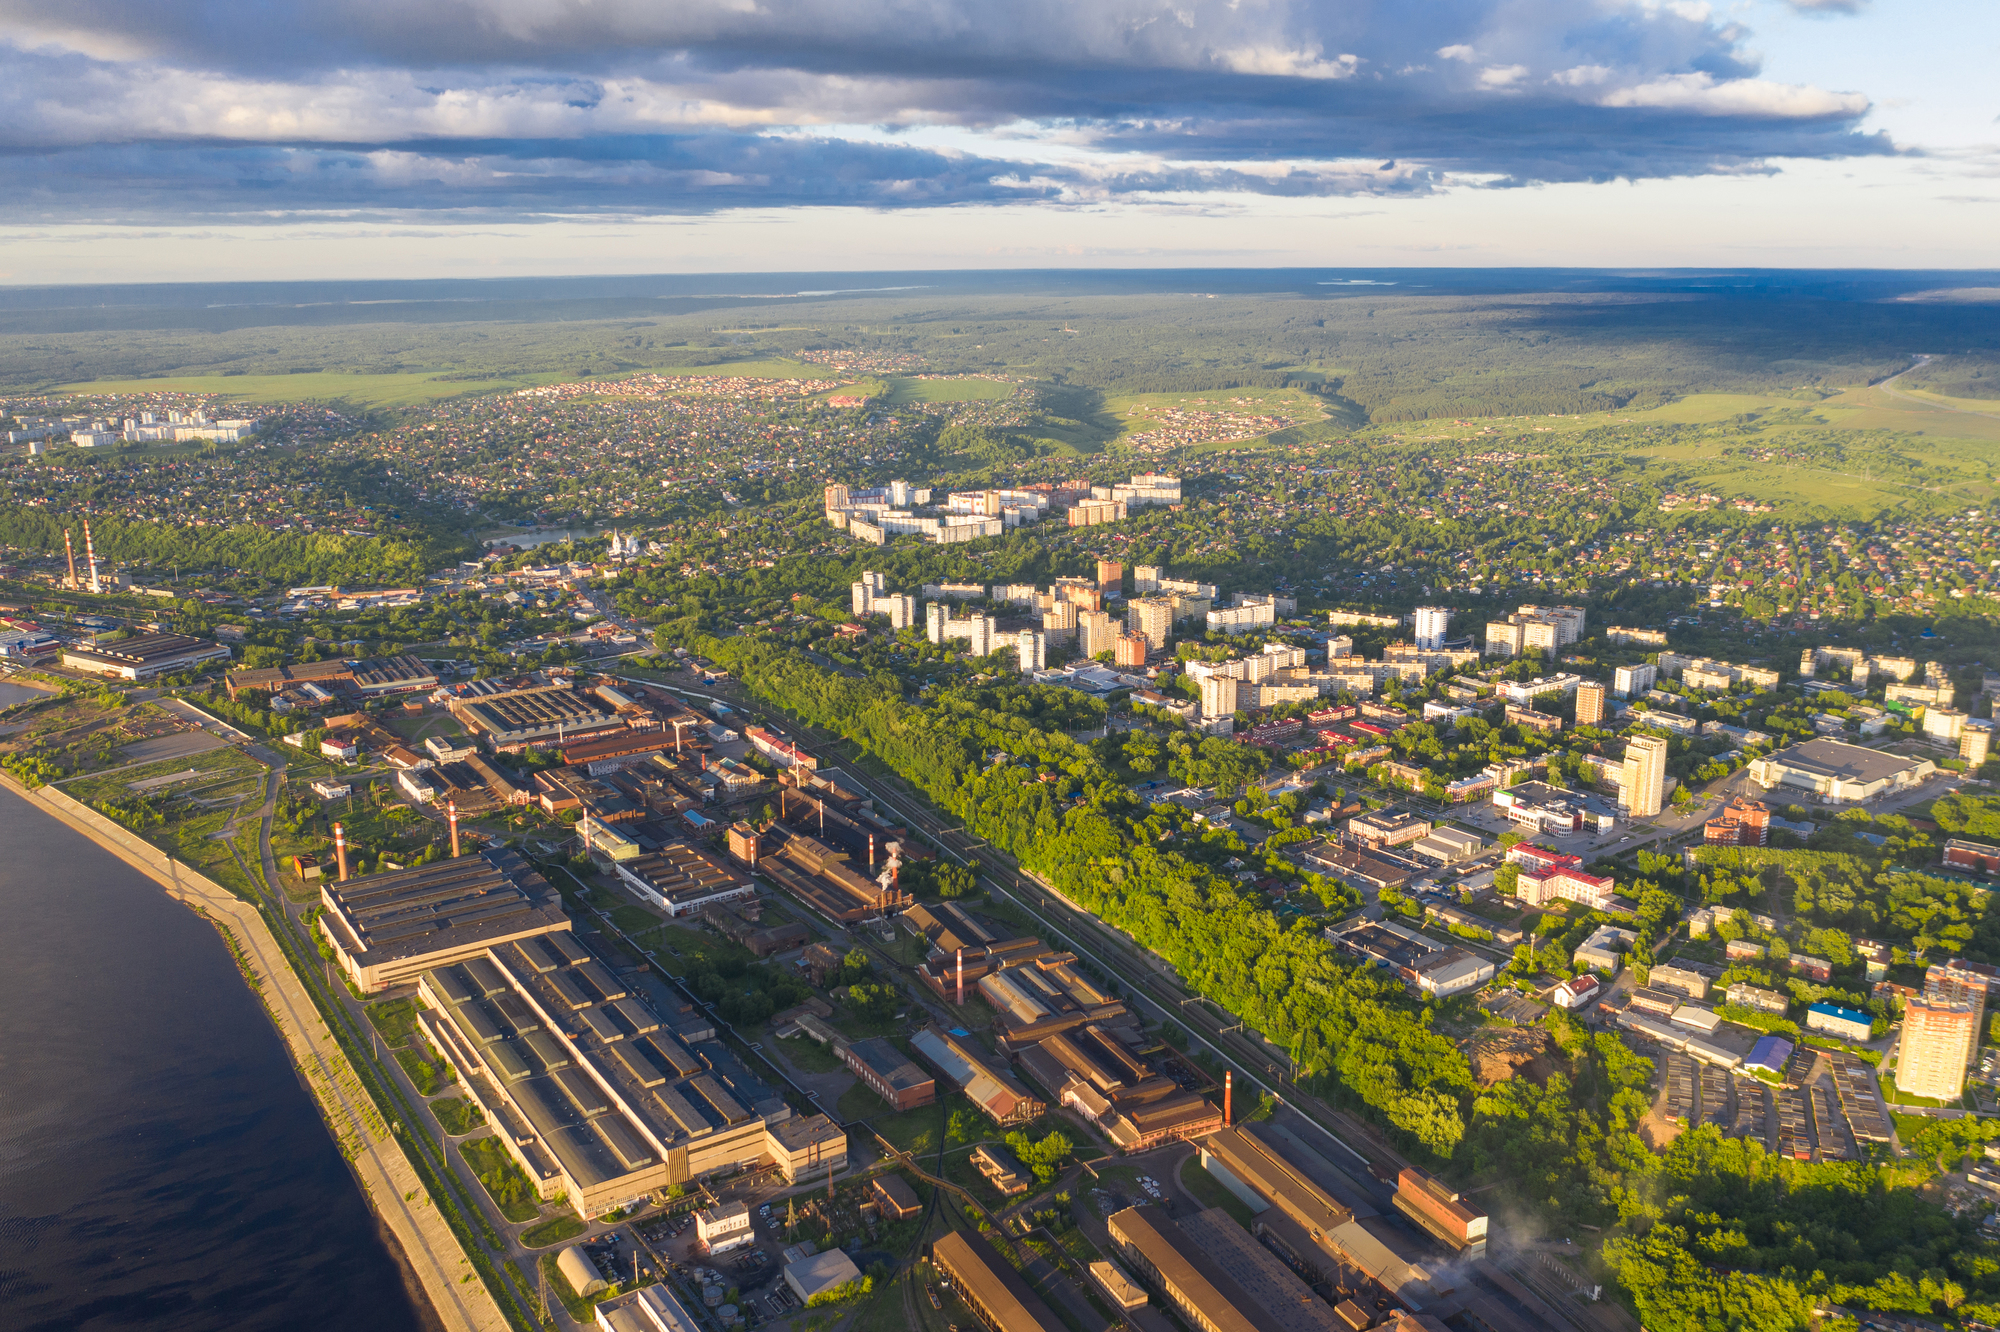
1821	455
553	1231
504	1181
1855	408
970	389
368	390
395	1019
457	1115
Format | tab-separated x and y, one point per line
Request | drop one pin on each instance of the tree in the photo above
1046	1157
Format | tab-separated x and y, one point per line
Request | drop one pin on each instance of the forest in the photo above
302	558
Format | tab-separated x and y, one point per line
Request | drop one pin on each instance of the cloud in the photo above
1739	97
240	107
1828	7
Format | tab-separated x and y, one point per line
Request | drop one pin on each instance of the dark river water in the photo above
161	1166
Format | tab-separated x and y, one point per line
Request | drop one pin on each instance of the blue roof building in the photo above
1845	1023
1769	1054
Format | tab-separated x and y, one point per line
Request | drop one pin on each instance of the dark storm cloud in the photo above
114	108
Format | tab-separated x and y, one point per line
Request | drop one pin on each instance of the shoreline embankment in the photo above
431	1253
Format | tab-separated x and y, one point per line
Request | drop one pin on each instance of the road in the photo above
1936	404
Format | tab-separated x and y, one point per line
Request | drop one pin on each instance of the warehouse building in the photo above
520	719
820	1274
144	656
651	1309
593	1094
1838	772
990	1286
887	1072
970	1070
1217	1280
378	677
388	928
682	880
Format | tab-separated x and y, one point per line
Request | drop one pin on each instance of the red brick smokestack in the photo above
961	978
451	810
340	850
1228	1098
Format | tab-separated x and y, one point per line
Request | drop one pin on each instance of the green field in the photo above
369	390
971	389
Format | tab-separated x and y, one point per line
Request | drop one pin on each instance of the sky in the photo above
169	141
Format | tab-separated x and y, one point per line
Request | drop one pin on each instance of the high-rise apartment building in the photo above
1541	634
1095	632
901	610
1643	787
935	616
1131	650
1961	982
1975	742
837	497
1146	578
865	593
1431	624
1590	703
1219	694
1152	618
1631	681
1110	578
1059	622
1568	620
1504	638
1938	1042
1031	648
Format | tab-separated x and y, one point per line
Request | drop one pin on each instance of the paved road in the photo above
1935	403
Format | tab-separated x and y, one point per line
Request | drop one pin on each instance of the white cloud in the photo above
1294	64
1457	53
1582	76
1703	95
1502	76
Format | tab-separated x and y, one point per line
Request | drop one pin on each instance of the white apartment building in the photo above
1432	622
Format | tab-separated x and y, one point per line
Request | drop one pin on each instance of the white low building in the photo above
820	1274
724	1227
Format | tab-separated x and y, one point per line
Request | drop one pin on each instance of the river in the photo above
161	1165
11	693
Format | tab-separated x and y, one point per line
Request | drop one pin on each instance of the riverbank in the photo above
459	1300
